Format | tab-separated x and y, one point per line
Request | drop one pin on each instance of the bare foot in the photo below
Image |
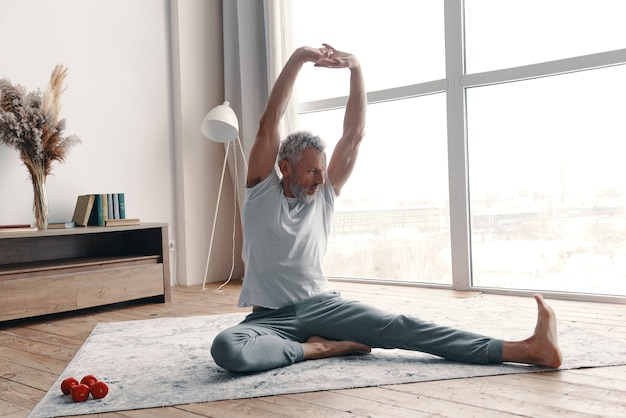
318	347
542	348
545	336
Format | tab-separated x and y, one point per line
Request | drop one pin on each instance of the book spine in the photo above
104	210
110	213
96	212
116	206
91	200
122	203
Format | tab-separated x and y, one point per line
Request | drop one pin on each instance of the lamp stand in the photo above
229	144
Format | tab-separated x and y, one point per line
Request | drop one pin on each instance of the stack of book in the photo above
105	209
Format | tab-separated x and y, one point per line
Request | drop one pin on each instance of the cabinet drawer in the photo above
106	286
27	297
36	296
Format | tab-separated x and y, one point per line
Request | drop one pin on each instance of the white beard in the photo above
300	193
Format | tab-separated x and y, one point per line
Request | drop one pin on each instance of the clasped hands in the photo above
329	57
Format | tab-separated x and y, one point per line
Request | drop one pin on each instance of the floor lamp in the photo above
221	125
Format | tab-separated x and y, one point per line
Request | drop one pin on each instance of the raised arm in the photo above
344	156
267	142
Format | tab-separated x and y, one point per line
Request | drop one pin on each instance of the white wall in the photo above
198	45
121	100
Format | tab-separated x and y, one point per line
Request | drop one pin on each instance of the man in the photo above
286	221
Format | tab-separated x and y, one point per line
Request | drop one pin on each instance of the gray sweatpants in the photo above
270	338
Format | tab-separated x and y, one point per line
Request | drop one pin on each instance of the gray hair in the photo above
296	143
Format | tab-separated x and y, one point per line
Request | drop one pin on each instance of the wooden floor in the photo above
34	352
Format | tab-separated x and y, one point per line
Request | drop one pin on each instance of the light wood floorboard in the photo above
34	352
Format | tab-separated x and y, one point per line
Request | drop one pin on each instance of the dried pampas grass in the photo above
30	123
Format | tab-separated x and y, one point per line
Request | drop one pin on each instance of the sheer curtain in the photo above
256	45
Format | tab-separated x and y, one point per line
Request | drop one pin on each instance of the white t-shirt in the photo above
284	244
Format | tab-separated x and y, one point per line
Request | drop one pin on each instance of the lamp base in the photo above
229	145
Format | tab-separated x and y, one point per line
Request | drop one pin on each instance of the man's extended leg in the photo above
336	319
333	318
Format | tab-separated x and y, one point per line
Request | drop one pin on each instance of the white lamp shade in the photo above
221	124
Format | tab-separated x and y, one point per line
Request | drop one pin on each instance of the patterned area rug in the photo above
166	361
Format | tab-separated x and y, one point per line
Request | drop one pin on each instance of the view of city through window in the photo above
548	183
392	218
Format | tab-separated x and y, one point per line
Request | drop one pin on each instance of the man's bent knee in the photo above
239	352
226	354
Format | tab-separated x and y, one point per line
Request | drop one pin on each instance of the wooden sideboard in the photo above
60	270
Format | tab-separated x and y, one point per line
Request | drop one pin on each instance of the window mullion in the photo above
457	146
544	69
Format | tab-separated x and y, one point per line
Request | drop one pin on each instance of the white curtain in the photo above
256	45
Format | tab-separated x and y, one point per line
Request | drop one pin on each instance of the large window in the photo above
513	151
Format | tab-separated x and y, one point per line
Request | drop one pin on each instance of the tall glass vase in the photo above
40	203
